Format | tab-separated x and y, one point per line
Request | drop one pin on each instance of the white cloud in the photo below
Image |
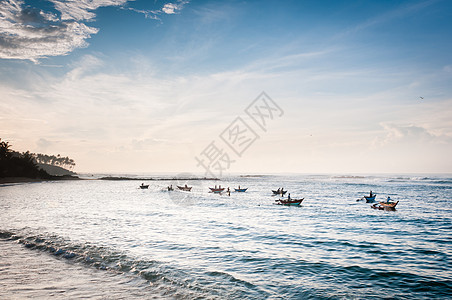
172	8
82	9
400	133
30	33
168	8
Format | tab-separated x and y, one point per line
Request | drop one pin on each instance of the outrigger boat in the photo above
291	202
185	188
143	186
388	205
216	190
369	199
279	192
240	190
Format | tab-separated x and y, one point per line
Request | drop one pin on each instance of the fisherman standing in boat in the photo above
288	197
370	194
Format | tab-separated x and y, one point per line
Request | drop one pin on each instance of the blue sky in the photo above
149	84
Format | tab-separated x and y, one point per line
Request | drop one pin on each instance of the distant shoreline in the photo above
156	179
26	179
108	178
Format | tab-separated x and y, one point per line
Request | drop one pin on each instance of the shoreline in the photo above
13	180
28	180
155	179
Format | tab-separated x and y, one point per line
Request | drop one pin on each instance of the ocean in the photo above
112	240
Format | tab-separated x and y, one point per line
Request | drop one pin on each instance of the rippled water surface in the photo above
201	245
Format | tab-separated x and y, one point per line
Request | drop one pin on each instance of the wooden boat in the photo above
282	193
185	188
241	190
291	202
389	204
385	205
216	190
370	199
143	186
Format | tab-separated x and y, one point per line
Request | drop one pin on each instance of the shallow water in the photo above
202	245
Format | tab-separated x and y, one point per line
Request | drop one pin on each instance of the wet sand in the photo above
31	274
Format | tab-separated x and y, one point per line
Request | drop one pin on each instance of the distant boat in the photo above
216	190
185	188
143	186
240	190
370	199
389	205
291	202
279	192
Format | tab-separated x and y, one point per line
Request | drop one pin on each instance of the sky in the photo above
176	86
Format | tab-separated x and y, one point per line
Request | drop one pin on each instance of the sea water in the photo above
111	239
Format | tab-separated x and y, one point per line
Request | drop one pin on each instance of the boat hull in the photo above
385	205
183	188
279	193
241	190
370	199
293	202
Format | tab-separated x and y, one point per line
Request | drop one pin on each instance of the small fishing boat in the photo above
370	199
291	202
143	186
388	205
240	190
279	192
216	190
185	188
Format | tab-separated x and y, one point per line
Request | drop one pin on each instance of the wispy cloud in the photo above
82	9
169	8
386	17
149	14
403	133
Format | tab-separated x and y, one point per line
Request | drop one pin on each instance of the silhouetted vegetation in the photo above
15	164
60	161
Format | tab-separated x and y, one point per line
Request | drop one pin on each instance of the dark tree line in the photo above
15	164
60	161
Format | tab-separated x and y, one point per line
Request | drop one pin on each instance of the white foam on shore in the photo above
27	274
